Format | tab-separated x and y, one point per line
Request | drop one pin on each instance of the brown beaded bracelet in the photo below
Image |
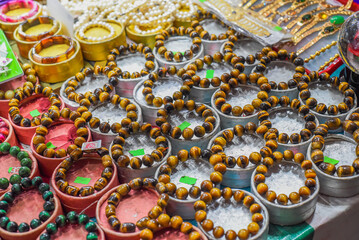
153	77
269	132
164	178
321	108
147	160
121	192
101	183
28	90
174	222
220	142
174	131
269	55
282	199
178	56
37	21
89	97
49	41
317	155
240	197
132	48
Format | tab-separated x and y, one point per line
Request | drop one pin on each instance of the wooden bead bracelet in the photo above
18	187
174	131
270	132
123	51
16	4
89	98
233	76
26	91
239	197
121	192
220	142
41	132
50	41
321	108
228	90
101	183
269	55
178	56
34	22
164	221
294	197
147	160
317	155
164	179
154	77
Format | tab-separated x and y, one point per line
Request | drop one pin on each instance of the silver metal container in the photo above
295	148
263	231
332	185
290	214
248	67
322	118
127	174
211	47
236	177
229	121
150	112
125	86
183	208
178	144
164	63
347	118
107	138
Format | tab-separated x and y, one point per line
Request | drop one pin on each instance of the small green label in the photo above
35	113
82	180
177	52
209	73
50	145
188	180
330	160
184	125
138	152
10	169
202	1
277	28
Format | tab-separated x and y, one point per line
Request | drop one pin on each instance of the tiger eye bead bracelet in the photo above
164	184
164	221
187	133
123	51
262	171
178	56
235	197
150	84
270	132
26	91
318	145
348	94
269	55
101	183
99	93
242	161
121	192
47	119
147	160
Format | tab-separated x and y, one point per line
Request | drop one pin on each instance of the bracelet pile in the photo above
187	133
40	20
34	8
205	35
147	160
98	24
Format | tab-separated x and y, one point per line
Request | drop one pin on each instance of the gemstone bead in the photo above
3	221
9	197
2	213
4	183
91	227
21	155
35	223
44	215
49	206
91	236
337	20
14	151
24	227
60	221
306	17
43	187
47	195
51	228
5	147
24	172
15	179
11	226
26	162
72	217
83	219
36	181
4	205
328	29
26	182
16	189
45	236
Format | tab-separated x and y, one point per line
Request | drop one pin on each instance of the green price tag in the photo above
35	113
209	73
188	180
177	52
10	169
184	125
202	1
277	28
82	180
330	160
138	152
50	145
